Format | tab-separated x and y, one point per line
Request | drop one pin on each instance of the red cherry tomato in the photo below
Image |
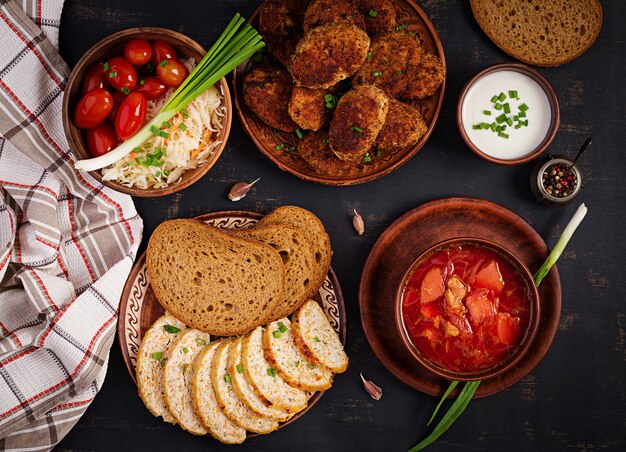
162	50
138	51
172	72
95	78
151	87
121	74
93	108
101	139
130	116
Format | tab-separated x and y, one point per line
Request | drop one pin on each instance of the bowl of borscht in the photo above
467	309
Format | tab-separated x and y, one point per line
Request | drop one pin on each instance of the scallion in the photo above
372	13
239	368
238	42
182	126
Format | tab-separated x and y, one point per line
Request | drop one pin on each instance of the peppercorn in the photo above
557	182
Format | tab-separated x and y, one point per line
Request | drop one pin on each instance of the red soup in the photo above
466	308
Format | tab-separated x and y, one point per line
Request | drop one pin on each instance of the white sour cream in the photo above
521	141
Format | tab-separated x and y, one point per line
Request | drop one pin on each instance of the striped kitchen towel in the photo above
67	243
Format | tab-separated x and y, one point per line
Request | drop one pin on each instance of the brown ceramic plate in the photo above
139	307
114	46
412	234
266	138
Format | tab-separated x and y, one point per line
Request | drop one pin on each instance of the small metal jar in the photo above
539	191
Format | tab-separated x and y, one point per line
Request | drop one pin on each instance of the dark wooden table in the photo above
575	399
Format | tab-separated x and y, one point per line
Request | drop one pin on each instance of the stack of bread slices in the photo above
226	359
233	385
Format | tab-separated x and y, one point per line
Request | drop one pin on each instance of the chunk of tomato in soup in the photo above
490	277
508	328
432	286
479	306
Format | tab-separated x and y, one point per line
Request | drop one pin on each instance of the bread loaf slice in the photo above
212	281
242	388
314	229
540	33
298	256
316	339
281	353
177	377
232	406
205	402
267	384
150	359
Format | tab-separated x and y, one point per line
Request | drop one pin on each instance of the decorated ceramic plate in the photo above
413	19
139	307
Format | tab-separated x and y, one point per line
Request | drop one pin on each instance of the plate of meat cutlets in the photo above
344	92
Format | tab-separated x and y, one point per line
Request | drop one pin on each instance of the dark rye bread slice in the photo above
314	229
212	281
543	33
298	256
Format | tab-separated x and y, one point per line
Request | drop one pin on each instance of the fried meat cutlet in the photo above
307	107
316	152
267	91
392	56
380	15
358	118
404	126
322	12
428	78
280	24
328	54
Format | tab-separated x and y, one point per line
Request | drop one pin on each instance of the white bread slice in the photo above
205	402
242	387
267	384
281	353
150	359
298	256
177	377
234	408
314	229
316	339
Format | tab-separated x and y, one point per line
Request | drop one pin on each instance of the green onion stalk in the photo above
234	46
469	389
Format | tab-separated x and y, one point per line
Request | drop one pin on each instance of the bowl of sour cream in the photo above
508	114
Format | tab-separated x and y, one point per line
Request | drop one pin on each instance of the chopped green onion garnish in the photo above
297	363
369	55
282	327
155	130
328	97
112	74
239	368
162	362
278	147
184	367
373	13
185	113
494	99
182	126
498	106
200	341
400	27
522	114
325	141
316	339
378	153
515	118
507	108
494	126
356	129
503	135
300	133
476	127
142	82
311	366
166	124
330	105
171	329
227	377
509	121
291	149
377	74
513	94
500	119
163	63
125	91
367	159
105	66
271	372
277	334
185	350
157	355
523	108
501	97
487	112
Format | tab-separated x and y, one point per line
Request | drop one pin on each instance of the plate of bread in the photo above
345	92
232	323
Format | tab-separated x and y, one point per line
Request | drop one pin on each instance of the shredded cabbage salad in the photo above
186	141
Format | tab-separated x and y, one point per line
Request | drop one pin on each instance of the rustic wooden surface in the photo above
574	400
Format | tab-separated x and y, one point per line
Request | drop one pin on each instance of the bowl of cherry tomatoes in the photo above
108	96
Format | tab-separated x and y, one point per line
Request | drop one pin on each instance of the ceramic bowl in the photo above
513	358
555	115
112	46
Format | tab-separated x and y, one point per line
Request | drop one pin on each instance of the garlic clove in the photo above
357	222
240	190
374	391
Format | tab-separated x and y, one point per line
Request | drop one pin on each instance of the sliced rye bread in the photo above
298	255
316	339
242	387
177	377
233	407
540	33
205	402
213	281
150	358
267	384
281	353
314	229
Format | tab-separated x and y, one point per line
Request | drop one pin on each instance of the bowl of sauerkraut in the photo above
191	141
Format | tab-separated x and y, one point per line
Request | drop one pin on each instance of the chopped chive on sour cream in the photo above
507	116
